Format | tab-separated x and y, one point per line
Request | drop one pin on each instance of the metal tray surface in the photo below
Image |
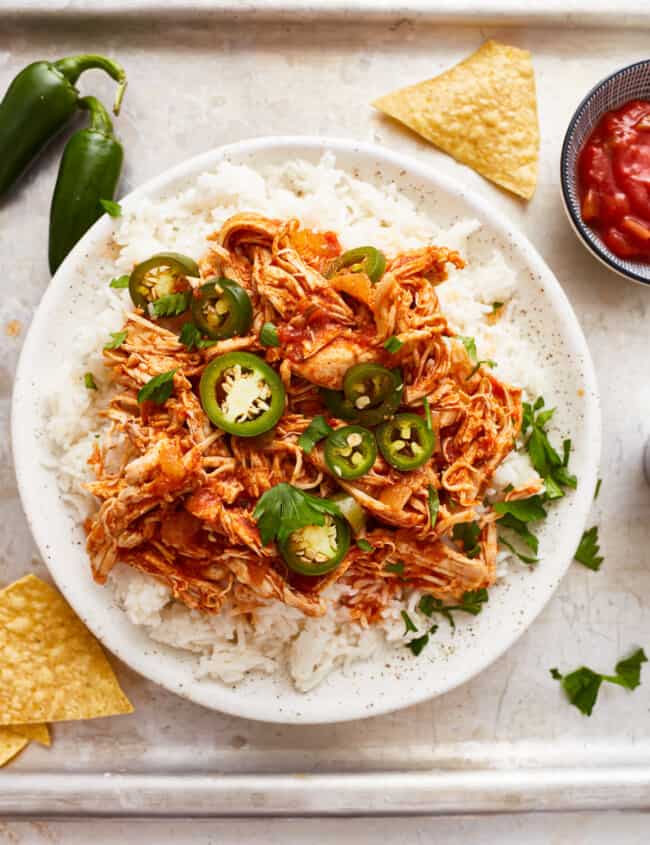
506	741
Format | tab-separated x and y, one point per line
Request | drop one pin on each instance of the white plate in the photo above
396	679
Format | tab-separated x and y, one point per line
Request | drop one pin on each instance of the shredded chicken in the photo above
177	496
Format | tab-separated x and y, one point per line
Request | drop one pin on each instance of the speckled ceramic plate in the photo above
395	679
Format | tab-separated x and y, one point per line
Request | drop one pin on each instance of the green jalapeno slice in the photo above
363	259
221	308
405	441
317	549
159	276
242	394
351	510
350	451
371	395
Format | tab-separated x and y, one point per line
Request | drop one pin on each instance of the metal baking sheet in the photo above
507	741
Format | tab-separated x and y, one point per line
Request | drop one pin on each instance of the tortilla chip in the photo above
10	745
51	667
36	733
483	112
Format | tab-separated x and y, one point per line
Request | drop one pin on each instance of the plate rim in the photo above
142	663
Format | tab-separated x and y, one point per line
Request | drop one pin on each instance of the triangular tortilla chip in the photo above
51	667
35	733
483	112
10	745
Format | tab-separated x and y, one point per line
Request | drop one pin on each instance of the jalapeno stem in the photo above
73	66
99	117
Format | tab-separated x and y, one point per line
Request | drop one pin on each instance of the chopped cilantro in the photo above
364	545
488	362
191	337
470	346
284	509
583	685
588	550
118	340
468	533
408	622
120	282
315	431
158	389
434	505
172	304
472	602
89	381
393	344
395	568
544	458
418	645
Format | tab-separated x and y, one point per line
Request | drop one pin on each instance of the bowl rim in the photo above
578	224
142	662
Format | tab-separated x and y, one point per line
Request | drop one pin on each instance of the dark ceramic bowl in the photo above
629	83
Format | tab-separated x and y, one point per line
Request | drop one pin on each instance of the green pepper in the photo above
406	442
221	308
89	171
159	276
350	451
371	394
351	510
242	394
38	103
363	259
317	549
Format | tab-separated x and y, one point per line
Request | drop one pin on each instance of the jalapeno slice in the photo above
241	394
350	451
221	308
363	259
158	276
317	549
371	394
351	510
405	441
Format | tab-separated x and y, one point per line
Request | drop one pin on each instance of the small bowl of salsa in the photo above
605	171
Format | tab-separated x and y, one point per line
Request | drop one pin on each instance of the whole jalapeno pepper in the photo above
38	103
89	171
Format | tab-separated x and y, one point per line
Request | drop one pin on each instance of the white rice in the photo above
280	638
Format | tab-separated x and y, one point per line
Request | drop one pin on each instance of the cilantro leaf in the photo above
118	340
120	282
418	645
172	304
521	529
112	208
629	669
582	685
468	533
470	346
395	568
524	510
284	509
434	505
588	549
317	429
191	337
393	344
543	456
364	545
528	559
158	389
472	602
488	362
408	622
269	335
89	381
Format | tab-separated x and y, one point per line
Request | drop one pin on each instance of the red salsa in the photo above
614	176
